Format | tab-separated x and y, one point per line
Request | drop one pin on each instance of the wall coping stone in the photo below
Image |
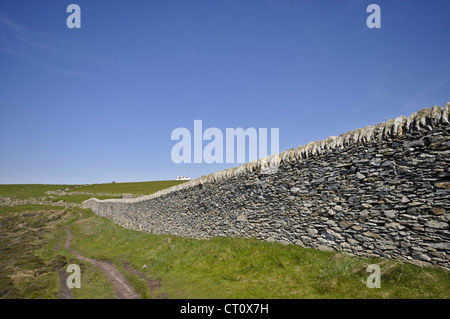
423	120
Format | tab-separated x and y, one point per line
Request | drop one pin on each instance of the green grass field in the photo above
249	268
33	248
128	188
24	191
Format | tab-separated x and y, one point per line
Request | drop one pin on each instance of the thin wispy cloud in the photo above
15	34
432	87
9	24
411	104
11	52
65	72
377	92
365	107
22	41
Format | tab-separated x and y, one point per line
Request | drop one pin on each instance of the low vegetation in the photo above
32	250
249	268
23	273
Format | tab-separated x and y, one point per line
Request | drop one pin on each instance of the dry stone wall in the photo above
383	190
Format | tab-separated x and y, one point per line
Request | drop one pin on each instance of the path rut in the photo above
122	287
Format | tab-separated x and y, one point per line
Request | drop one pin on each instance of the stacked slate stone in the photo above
383	190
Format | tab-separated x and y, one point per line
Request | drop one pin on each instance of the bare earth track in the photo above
64	291
122	287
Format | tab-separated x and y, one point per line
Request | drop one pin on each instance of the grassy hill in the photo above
32	249
144	188
24	191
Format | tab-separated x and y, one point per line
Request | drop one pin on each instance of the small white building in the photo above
183	178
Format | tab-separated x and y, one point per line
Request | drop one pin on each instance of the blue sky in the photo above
98	104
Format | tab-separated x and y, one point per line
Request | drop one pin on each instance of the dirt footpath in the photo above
122	287
64	291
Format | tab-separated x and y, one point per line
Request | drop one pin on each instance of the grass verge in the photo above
32	249
249	268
